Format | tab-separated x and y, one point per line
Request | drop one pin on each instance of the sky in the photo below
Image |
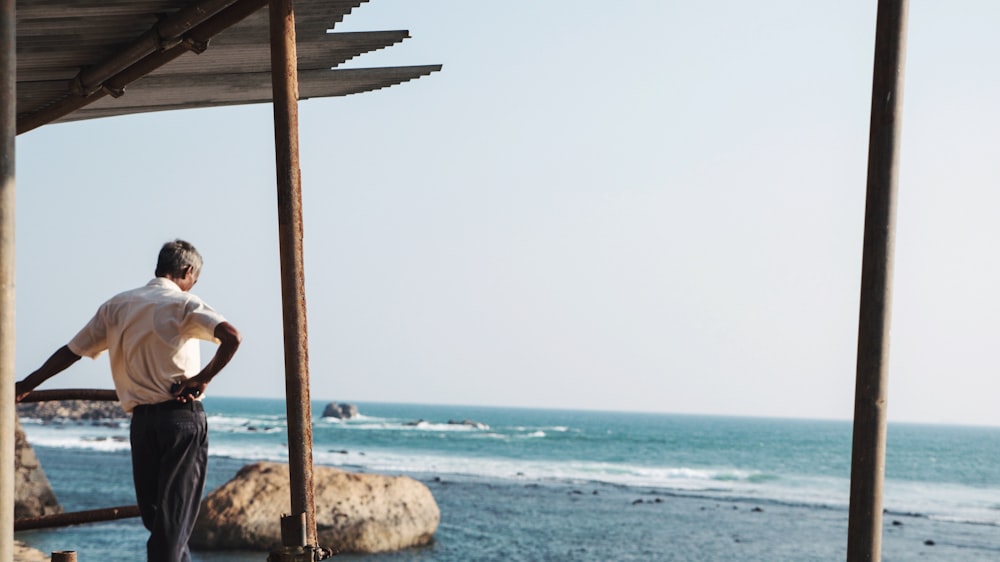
648	205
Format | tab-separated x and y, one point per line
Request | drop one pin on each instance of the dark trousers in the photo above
169	454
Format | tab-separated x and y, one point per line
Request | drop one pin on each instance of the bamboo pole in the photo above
864	542
8	118
284	84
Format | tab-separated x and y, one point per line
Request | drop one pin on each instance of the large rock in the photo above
354	512
33	495
469	423
72	410
24	553
340	411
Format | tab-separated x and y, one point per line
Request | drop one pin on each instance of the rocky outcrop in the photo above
72	410
354	512
469	423
340	411
24	553
33	495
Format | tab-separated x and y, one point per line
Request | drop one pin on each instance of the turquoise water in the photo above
524	484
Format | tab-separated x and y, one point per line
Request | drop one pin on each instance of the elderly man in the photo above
151	334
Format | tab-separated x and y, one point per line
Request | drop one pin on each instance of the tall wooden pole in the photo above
8	132
864	542
284	84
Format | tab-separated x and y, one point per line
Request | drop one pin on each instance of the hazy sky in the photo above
640	205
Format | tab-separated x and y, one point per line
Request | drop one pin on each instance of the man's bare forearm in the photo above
229	341
229	338
55	364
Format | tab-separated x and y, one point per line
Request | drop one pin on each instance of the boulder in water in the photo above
33	494
340	411
24	553
469	423
354	512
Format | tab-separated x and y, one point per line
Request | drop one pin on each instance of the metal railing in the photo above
75	517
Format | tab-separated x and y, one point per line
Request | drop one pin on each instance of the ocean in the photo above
534	485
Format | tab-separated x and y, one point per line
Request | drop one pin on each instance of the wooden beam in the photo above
8	118
864	541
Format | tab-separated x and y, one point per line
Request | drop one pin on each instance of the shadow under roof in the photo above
82	59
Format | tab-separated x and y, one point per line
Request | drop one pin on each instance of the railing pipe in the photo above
77	518
284	85
92	394
864	542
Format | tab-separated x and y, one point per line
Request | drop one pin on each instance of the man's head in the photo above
180	262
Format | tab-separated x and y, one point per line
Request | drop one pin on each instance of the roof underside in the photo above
78	55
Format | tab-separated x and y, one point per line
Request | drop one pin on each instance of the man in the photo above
151	334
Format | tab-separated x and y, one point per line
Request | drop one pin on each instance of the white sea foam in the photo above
234	438
556	428
387	425
674	478
257	452
493	435
262	424
92	437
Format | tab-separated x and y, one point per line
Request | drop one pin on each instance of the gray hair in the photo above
175	256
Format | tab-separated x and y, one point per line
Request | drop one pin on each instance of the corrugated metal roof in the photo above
61	44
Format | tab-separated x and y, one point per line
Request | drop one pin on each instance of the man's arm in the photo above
57	363
229	338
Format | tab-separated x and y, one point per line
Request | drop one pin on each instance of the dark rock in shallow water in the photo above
469	423
340	411
72	410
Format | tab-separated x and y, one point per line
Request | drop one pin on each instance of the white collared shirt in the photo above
152	336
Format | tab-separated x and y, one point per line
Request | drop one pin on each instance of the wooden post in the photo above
284	85
864	541
8	120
